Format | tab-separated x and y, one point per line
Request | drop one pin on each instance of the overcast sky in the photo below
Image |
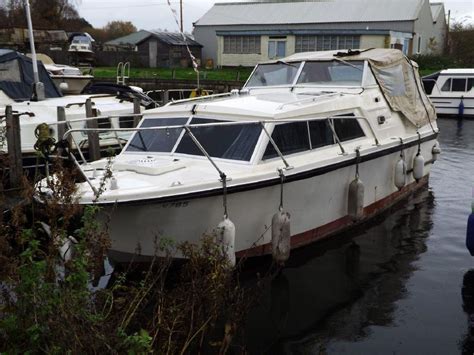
156	14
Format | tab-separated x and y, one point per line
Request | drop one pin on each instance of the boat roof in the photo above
16	76
468	71
381	55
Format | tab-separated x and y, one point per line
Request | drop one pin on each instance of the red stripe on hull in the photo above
340	224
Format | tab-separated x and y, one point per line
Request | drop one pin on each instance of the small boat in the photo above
70	80
16	89
451	91
81	49
318	141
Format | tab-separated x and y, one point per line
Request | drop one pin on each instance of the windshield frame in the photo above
363	82
295	79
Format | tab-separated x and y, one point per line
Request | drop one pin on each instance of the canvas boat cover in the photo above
396	75
16	77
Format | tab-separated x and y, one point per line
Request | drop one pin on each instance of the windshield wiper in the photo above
286	63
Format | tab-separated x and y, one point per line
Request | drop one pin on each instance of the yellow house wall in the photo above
250	60
373	42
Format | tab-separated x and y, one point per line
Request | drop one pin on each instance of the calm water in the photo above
395	287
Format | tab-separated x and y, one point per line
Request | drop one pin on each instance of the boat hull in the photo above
449	106
317	202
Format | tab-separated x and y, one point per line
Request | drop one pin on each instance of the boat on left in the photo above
17	91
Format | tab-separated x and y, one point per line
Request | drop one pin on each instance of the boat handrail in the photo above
309	99
198	98
187	128
85	119
212	124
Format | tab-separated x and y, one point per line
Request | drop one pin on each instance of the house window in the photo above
276	47
308	43
242	45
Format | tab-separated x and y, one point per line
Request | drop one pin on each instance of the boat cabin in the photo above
451	91
16	78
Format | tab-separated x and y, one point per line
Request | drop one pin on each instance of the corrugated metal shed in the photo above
311	12
172	38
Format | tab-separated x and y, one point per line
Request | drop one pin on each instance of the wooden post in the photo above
14	147
62	128
166	97
92	137
136	111
173	74
238	75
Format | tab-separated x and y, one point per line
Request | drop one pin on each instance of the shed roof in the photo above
172	38
254	13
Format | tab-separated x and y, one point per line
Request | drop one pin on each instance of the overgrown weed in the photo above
47	304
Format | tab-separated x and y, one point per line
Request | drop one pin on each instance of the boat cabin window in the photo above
332	73
320	134
10	71
297	137
274	74
458	84
347	129
156	140
290	138
235	142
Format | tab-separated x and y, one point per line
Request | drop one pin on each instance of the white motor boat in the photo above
451	91
332	138
70	80
16	82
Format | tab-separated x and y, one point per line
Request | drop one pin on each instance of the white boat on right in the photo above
451	92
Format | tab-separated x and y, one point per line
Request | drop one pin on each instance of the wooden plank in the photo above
92	137
14	147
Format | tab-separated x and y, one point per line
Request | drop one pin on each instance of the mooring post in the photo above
166	97
136	111
14	147
62	127
92	136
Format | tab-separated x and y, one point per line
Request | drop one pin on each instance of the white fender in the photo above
400	174
418	167
436	151
355	201
281	237
226	237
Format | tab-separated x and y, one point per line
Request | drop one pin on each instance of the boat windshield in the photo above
332	73
280	73
235	141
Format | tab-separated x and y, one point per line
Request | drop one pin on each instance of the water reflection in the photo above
335	290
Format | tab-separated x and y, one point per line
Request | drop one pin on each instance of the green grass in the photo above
225	74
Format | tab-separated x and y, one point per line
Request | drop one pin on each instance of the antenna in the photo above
38	87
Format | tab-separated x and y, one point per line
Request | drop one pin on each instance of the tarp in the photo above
400	82
397	76
16	77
